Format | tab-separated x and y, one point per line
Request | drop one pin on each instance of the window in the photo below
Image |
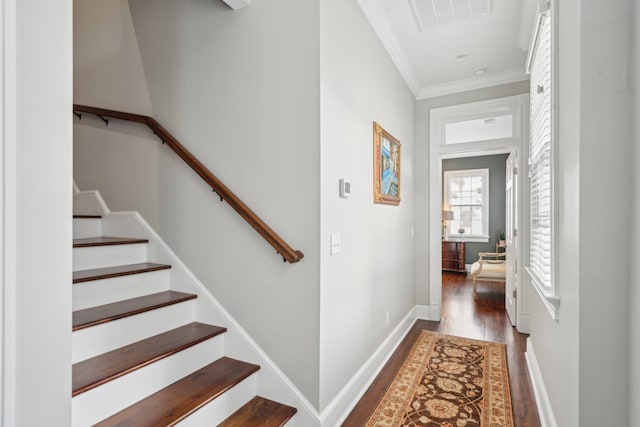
466	193
483	129
541	160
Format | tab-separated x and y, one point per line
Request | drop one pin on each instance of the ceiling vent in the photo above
431	14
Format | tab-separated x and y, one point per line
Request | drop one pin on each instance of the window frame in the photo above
549	292
484	173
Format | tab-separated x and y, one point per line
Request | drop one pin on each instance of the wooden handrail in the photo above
288	253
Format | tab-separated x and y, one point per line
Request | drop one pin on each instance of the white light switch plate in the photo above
335	243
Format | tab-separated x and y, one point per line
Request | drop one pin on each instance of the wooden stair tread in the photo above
177	401
88	216
117	271
260	412
101	369
117	310
106	241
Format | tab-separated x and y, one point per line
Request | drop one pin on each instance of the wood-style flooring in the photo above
483	318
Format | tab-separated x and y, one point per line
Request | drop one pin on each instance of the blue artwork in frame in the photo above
386	164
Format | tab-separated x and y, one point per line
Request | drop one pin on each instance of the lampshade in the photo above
447	215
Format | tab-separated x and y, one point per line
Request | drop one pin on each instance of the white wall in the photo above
594	179
423	174
606	115
37	175
241	91
374	273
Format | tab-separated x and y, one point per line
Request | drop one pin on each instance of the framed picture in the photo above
386	167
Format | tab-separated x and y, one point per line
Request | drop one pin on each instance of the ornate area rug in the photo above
447	381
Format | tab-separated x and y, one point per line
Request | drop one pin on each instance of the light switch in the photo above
335	243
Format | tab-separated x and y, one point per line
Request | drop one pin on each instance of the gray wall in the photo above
595	105
241	90
374	273
497	194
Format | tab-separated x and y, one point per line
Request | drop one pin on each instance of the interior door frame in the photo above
518	106
512	239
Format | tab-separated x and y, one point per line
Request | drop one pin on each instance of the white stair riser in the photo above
90	342
101	402
108	256
105	291
87	227
219	409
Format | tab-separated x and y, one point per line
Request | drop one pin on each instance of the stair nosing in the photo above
177	297
115	241
248	369
157	355
99	276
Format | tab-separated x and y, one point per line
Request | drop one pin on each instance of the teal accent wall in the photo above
497	204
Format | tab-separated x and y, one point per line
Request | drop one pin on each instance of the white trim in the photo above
523	323
484	173
545	411
549	300
237	4
346	399
377	17
490	79
89	203
237	341
519	104
435	310
422	312
306	410
534	41
550	295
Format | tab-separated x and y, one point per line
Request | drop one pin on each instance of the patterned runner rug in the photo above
448	381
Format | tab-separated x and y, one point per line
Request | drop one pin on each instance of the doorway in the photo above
480	129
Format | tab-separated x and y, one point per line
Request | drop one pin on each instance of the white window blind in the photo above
541	160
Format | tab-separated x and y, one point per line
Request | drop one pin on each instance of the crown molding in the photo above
375	13
487	80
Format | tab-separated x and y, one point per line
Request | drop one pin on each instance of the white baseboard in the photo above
523	324
423	312
435	313
545	412
344	402
467	268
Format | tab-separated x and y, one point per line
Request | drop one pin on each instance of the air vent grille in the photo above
431	14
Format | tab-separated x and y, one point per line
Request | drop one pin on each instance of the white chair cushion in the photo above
489	270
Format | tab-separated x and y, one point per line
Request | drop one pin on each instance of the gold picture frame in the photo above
386	167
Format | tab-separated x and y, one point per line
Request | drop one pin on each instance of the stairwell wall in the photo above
373	275
241	91
108	73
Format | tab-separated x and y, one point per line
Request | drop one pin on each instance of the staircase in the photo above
150	344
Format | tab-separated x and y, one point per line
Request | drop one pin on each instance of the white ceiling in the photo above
427	59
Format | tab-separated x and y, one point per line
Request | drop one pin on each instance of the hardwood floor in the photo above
483	318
